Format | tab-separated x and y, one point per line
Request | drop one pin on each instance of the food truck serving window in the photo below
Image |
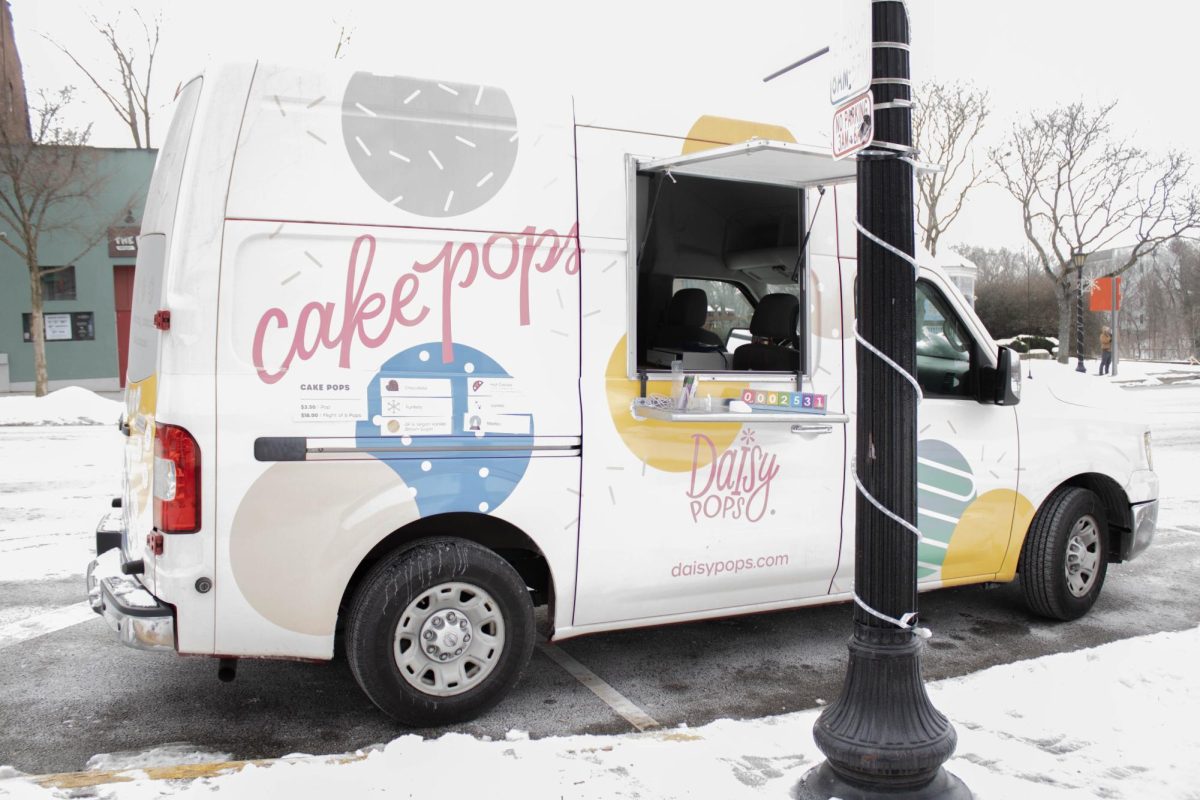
718	282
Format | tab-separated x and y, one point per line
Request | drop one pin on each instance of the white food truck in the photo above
407	359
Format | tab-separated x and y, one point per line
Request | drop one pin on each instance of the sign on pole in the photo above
850	52
853	126
850	80
1105	295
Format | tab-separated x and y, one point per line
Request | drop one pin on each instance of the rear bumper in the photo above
140	619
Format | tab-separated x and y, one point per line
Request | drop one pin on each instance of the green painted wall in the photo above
128	176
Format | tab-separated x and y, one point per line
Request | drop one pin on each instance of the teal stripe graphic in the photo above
946	489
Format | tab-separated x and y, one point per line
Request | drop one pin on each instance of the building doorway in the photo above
123	301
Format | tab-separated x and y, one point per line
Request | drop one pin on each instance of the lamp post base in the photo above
822	783
1080	367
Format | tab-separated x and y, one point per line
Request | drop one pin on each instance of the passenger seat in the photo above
773	327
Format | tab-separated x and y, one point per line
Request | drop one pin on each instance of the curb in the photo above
185	772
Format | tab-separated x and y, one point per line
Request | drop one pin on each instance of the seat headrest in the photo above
688	308
776	317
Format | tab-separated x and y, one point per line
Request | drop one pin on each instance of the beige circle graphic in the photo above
301	530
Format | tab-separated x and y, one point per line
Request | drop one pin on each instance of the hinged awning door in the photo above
758	161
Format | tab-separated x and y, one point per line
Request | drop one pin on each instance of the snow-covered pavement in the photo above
1115	721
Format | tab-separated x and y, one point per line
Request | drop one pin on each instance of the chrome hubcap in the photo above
1083	555
449	639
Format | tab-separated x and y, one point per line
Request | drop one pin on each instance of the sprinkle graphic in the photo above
468	133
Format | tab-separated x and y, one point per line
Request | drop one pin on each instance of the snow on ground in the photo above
55	484
69	406
1131	373
1114	722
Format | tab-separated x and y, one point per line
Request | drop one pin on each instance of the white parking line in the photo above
614	699
51	621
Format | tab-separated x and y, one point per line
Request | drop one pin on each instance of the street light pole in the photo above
882	737
1077	258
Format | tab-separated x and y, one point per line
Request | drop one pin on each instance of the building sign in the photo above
74	326
58	327
122	241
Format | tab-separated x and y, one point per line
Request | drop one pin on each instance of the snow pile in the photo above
70	406
1114	722
172	754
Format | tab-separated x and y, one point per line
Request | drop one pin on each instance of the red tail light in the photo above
176	480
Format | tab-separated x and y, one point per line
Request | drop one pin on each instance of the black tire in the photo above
1065	555
488	593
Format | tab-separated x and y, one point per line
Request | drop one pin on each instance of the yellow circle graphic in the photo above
668	446
981	537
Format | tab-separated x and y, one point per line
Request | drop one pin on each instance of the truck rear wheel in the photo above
440	632
1065	556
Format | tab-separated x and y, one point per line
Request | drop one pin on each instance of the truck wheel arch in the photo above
498	535
1116	509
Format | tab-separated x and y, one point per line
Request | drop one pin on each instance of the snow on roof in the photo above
946	259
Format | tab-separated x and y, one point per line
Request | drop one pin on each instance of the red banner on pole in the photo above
1102	295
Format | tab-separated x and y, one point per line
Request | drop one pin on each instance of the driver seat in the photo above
683	329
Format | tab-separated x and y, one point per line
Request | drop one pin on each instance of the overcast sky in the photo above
1031	54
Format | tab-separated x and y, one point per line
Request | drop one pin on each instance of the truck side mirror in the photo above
1001	385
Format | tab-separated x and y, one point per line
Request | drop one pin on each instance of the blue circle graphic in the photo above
459	468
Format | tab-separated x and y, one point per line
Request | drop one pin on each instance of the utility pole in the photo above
1078	258
1116	325
882	737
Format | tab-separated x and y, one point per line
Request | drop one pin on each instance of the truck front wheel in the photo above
1064	558
440	632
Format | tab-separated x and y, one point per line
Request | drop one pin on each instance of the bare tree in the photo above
1081	189
129	94
946	121
46	187
1012	296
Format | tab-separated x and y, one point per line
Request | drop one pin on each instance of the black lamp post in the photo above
882	737
1077	259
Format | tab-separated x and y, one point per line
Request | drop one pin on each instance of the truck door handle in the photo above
814	428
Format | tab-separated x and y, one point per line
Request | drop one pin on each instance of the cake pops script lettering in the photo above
369	317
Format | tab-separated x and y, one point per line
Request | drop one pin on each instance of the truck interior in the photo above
720	244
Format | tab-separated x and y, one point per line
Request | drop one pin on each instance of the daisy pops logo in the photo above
735	485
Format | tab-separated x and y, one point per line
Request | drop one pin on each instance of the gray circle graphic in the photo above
429	147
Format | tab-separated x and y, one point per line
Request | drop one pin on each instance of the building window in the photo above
58	285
